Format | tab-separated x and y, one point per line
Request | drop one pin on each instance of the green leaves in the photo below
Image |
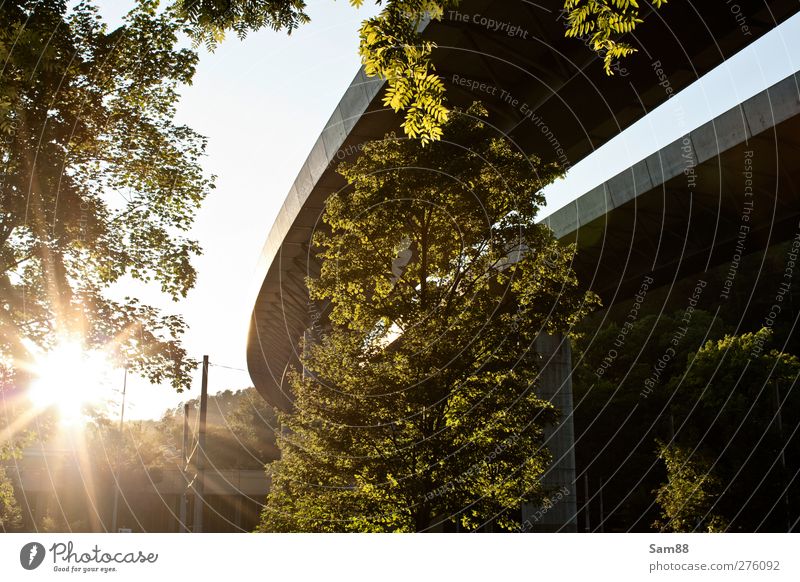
98	182
10	512
389	44
705	397
392	48
687	498
418	406
603	22
208	21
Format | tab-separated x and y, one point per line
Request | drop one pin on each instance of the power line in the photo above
228	367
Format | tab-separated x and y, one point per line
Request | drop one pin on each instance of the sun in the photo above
68	378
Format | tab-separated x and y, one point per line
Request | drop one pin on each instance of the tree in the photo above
10	514
254	422
624	400
708	399
392	48
240	429
139	458
687	498
98	181
18	429
417	405
732	392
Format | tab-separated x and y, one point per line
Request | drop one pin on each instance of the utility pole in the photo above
184	466
602	512
586	500
199	480
119	451
782	444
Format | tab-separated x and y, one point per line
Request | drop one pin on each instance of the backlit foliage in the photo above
392	48
604	22
418	406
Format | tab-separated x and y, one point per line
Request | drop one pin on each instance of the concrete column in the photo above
237	505
555	385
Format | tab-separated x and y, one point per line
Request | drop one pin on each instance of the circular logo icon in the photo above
31	555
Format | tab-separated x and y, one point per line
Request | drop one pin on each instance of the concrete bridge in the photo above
551	97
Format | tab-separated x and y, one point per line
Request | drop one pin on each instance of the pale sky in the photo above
263	102
763	63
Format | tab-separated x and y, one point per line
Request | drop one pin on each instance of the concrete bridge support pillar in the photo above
559	513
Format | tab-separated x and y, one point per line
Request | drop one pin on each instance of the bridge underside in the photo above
537	73
731	186
675	213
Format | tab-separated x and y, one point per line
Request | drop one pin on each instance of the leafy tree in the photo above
731	393
254	423
624	400
141	446
240	430
18	428
10	514
392	48
417	404
713	400
98	181
686	499
239	436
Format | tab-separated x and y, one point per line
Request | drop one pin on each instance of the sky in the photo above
763	63
263	102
